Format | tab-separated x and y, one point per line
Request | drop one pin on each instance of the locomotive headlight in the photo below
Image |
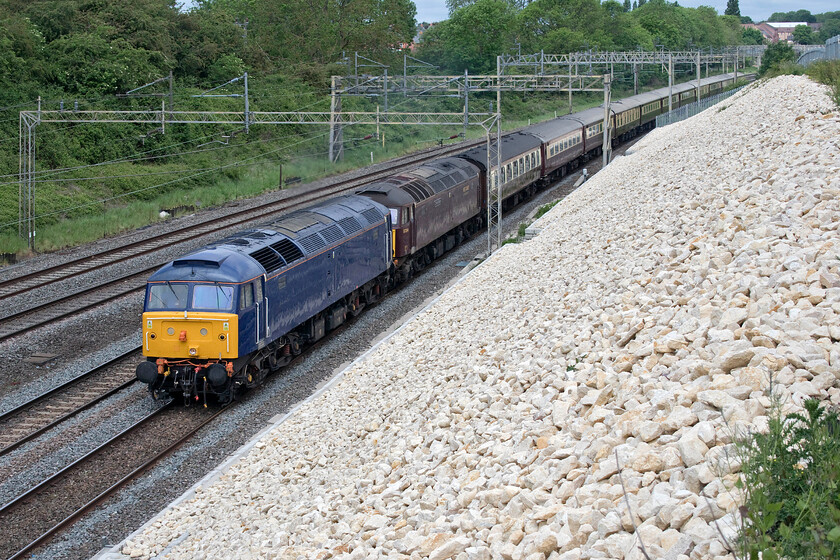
193	351
170	331
203	332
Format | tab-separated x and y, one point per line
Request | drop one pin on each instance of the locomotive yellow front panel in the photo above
190	335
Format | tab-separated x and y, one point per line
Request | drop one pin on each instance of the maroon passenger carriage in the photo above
433	208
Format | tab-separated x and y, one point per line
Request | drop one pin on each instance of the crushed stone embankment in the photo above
627	342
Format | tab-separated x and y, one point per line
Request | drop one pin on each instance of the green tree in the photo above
304	33
627	6
803	35
752	36
829	29
796	15
732	8
775	55
471	38
825	16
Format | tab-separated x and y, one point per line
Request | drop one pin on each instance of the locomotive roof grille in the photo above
312	243
288	250
268	258
349	225
372	216
332	234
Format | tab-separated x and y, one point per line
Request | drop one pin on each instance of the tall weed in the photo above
827	72
790	482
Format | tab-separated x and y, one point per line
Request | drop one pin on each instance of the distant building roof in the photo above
785	24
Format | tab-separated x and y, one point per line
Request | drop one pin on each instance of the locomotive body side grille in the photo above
288	250
268	258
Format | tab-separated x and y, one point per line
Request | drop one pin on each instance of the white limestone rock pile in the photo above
626	343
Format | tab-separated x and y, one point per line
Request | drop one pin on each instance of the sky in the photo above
435	10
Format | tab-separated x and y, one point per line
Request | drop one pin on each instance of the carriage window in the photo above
212	297
504	175
246	296
167	296
509	169
516	169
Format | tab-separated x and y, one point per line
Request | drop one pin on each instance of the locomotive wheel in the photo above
254	376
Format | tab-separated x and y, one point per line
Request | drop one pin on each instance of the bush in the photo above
775	55
827	72
790	480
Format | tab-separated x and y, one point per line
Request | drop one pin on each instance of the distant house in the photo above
421	29
775	31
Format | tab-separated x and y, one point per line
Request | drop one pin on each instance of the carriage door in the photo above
261	299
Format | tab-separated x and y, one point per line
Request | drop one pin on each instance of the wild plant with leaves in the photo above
790	481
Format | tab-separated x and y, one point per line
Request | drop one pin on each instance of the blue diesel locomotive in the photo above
223	317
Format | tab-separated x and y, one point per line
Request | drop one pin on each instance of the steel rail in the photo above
8	416
66	471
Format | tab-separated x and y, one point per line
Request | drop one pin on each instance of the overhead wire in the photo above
125	159
151	187
150	158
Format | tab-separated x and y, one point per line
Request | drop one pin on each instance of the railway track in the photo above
49	409
39	504
237	219
60	500
81	299
41	512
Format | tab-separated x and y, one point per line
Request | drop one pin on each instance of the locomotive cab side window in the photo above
246	296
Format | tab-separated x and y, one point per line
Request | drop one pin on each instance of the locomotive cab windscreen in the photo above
191	320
